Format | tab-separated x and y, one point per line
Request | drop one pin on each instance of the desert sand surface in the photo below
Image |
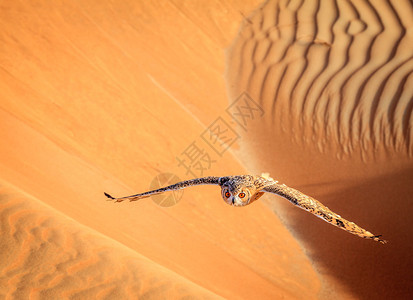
102	96
46	255
334	80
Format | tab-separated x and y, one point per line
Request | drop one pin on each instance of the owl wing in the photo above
317	208
173	187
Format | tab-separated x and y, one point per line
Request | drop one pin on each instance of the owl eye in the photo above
241	195
227	194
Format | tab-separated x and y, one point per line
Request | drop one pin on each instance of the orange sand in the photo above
102	96
105	95
335	81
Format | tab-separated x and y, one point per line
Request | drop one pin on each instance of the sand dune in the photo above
334	80
46	255
333	72
102	96
198	239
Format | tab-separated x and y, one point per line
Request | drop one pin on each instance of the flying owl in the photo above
245	189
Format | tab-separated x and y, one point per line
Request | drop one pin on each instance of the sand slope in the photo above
337	73
46	255
334	79
102	96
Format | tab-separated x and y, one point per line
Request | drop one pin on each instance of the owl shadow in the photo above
367	268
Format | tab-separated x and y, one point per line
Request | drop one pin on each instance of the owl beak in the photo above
233	201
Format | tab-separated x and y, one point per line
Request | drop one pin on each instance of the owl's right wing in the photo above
317	208
173	187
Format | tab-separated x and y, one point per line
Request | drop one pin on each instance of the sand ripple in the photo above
44	255
335	72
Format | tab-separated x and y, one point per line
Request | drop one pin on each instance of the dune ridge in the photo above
46	255
102	96
334	79
194	239
315	66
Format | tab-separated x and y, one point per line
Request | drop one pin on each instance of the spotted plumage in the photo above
244	189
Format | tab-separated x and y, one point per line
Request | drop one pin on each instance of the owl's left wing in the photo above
317	208
173	187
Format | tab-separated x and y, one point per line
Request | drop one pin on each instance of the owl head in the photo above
234	193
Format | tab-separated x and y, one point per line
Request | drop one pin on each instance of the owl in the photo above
243	190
